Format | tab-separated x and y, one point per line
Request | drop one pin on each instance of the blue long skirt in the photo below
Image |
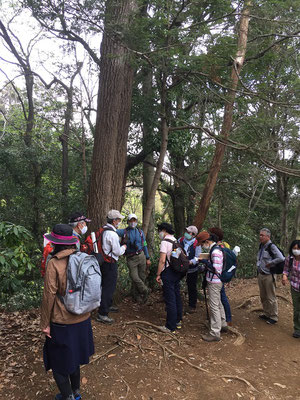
69	346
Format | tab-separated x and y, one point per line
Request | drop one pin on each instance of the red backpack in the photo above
89	248
47	250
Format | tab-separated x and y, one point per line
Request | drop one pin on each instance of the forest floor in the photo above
133	360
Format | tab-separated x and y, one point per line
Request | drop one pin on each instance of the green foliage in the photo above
18	259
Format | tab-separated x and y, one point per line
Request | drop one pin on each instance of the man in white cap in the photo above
137	256
109	269
192	250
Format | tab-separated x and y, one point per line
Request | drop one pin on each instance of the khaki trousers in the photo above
137	272
266	284
217	313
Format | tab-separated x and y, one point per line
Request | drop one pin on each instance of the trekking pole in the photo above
95	247
205	297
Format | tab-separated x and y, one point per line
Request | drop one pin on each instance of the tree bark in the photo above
163	149
113	116
148	169
227	119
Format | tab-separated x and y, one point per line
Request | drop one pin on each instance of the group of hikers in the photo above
69	338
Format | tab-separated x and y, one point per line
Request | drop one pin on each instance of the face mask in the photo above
132	224
161	235
117	224
187	236
296	252
84	230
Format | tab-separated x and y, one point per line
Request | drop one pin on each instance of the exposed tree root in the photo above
240	337
247	302
158	328
171	352
100	355
239	379
123	380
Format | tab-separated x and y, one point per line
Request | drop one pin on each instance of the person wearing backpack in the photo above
292	270
214	286
268	257
137	257
192	250
224	299
69	337
169	279
112	250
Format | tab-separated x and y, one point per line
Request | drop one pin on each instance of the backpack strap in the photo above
173	243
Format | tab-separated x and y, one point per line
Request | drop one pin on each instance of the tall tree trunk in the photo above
283	196
227	119
113	116
163	149
296	226
148	169
65	155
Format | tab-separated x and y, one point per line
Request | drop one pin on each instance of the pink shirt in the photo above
166	247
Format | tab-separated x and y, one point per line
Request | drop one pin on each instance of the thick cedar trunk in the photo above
227	120
113	117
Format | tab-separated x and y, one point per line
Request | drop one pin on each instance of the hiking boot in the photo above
164	329
229	323
271	321
113	309
296	334
210	338
224	329
190	310
77	395
179	325
264	317
71	397
104	319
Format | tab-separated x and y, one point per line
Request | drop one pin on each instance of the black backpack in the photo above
179	261
277	268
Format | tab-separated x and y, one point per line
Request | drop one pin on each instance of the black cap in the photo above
78	217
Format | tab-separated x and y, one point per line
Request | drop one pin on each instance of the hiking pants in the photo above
296	306
191	281
171	292
266	284
226	305
109	273
137	272
217	314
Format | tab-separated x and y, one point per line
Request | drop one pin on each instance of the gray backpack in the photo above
83	292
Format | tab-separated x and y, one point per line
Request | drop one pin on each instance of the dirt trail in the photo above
140	363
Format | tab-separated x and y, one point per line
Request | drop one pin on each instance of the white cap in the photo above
114	214
130	216
193	229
